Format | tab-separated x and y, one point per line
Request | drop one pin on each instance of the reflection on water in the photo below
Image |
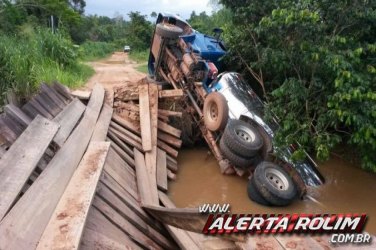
347	189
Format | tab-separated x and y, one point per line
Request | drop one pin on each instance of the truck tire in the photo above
242	138
215	111
168	30
274	184
236	160
254	194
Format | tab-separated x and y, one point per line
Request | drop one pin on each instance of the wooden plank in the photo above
124	211
8	136
171	93
40	109
48	104
103	227
101	129
59	101
145	117
68	119
125	132
169	129
67	223
171	175
19	161
126	139
13	125
124	224
120	143
50	89
151	156
29	110
17	114
169	113
62	90
296	242
93	240
169	139
126	124
128	159
143	181
24	224
81	94
161	170
169	150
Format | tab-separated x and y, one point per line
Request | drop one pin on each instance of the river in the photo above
347	189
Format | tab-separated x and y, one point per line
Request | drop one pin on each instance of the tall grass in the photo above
90	51
39	56
139	56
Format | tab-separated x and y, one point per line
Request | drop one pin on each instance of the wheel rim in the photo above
213	112
245	134
277	179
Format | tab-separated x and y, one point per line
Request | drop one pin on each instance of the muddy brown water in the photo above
347	189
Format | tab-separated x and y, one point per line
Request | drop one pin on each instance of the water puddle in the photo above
347	189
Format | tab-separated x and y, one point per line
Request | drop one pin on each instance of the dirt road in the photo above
114	71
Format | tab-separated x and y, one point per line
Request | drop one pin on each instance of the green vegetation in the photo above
47	40
314	61
139	56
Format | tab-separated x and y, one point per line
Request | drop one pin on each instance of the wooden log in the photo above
143	181
107	233
19	161
120	143
124	224
171	93
65	228
103	123
126	139
151	156
125	132
17	114
169	150
126	124
68	119
53	95
169	129
170	113
161	170
169	139
145	117
24	224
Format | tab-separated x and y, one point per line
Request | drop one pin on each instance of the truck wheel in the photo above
242	138
168	30
275	184
254	194
215	111
236	160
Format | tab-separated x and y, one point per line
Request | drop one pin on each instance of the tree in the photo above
139	31
314	60
154	14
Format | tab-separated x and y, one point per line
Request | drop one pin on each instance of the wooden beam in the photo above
171	93
53	95
68	119
169	139
169	129
17	164
125	132
17	114
62	90
120	143
151	156
143	182
26	221
169	113
126	124
169	150
126	139
101	129
81	94
66	226
161	170
128	159
145	117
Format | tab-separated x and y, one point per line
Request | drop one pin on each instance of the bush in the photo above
94	50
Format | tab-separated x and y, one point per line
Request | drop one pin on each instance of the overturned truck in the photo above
228	112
